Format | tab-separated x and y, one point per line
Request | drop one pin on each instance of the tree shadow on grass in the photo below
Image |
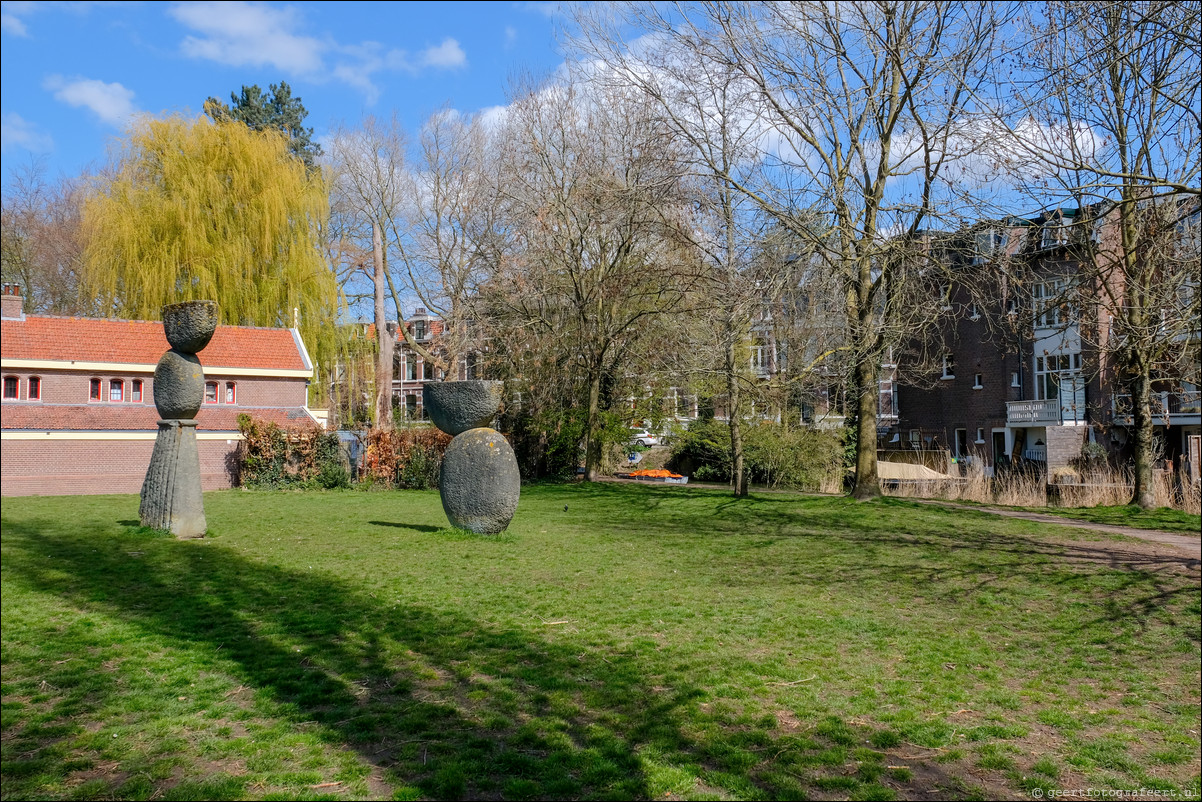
439	704
934	551
443	704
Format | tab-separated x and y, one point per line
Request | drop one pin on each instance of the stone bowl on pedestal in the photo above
190	325
456	407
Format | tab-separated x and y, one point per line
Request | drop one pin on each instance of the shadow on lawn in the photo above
434	698
962	552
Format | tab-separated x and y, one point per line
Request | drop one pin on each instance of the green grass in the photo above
646	642
1164	519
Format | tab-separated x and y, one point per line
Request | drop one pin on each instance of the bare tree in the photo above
42	243
370	188
865	110
445	237
593	191
1109	125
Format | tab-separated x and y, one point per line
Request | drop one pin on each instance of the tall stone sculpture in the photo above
171	497
479	482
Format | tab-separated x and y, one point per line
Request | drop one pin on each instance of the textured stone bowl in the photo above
179	386
190	325
456	407
479	482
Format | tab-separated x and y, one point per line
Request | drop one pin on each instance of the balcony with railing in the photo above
1032	413
1168	409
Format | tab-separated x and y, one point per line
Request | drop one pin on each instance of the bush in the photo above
272	456
773	454
408	458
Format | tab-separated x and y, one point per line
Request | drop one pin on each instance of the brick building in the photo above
1026	374
78	414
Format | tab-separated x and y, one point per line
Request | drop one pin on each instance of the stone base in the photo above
171	497
479	482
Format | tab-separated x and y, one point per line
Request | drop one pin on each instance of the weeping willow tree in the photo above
199	210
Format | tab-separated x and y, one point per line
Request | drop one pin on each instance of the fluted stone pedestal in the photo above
171	497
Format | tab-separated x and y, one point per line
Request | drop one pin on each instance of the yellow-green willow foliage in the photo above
201	210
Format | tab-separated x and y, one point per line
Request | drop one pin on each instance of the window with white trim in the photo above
976	382
94	390
12	388
1051	302
35	389
980	436
116	390
949	367
1051	371
410	368
210	392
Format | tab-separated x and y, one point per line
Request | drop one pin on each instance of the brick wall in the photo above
88	467
1064	444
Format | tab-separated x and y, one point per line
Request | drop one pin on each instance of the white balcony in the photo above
1032	413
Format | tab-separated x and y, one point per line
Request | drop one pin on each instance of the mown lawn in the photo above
617	642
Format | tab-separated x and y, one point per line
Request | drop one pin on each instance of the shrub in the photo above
408	458
773	454
273	456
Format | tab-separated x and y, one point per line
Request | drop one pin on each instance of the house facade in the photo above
78	414
1029	371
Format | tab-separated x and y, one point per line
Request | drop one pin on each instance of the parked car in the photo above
644	438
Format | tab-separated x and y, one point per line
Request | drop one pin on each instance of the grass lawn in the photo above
619	641
1163	519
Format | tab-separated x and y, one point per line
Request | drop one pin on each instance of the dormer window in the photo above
1054	234
989	245
419	330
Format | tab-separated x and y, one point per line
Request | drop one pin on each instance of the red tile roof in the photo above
134	417
81	339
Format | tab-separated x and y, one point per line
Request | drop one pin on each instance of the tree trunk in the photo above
592	445
383	340
1142	441
864	382
737	472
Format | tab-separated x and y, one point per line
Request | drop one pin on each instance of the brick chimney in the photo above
13	305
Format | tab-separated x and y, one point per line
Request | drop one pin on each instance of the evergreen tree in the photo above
277	110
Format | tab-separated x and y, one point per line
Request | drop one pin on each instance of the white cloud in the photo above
253	34
112	103
511	36
448	55
241	34
17	132
12	25
550	9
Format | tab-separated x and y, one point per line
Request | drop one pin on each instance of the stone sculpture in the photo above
479	481
171	497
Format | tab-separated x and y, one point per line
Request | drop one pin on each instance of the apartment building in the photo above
1030	371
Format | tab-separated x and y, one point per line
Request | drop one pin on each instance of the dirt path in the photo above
1191	545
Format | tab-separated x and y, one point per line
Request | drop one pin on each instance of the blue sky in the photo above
73	72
